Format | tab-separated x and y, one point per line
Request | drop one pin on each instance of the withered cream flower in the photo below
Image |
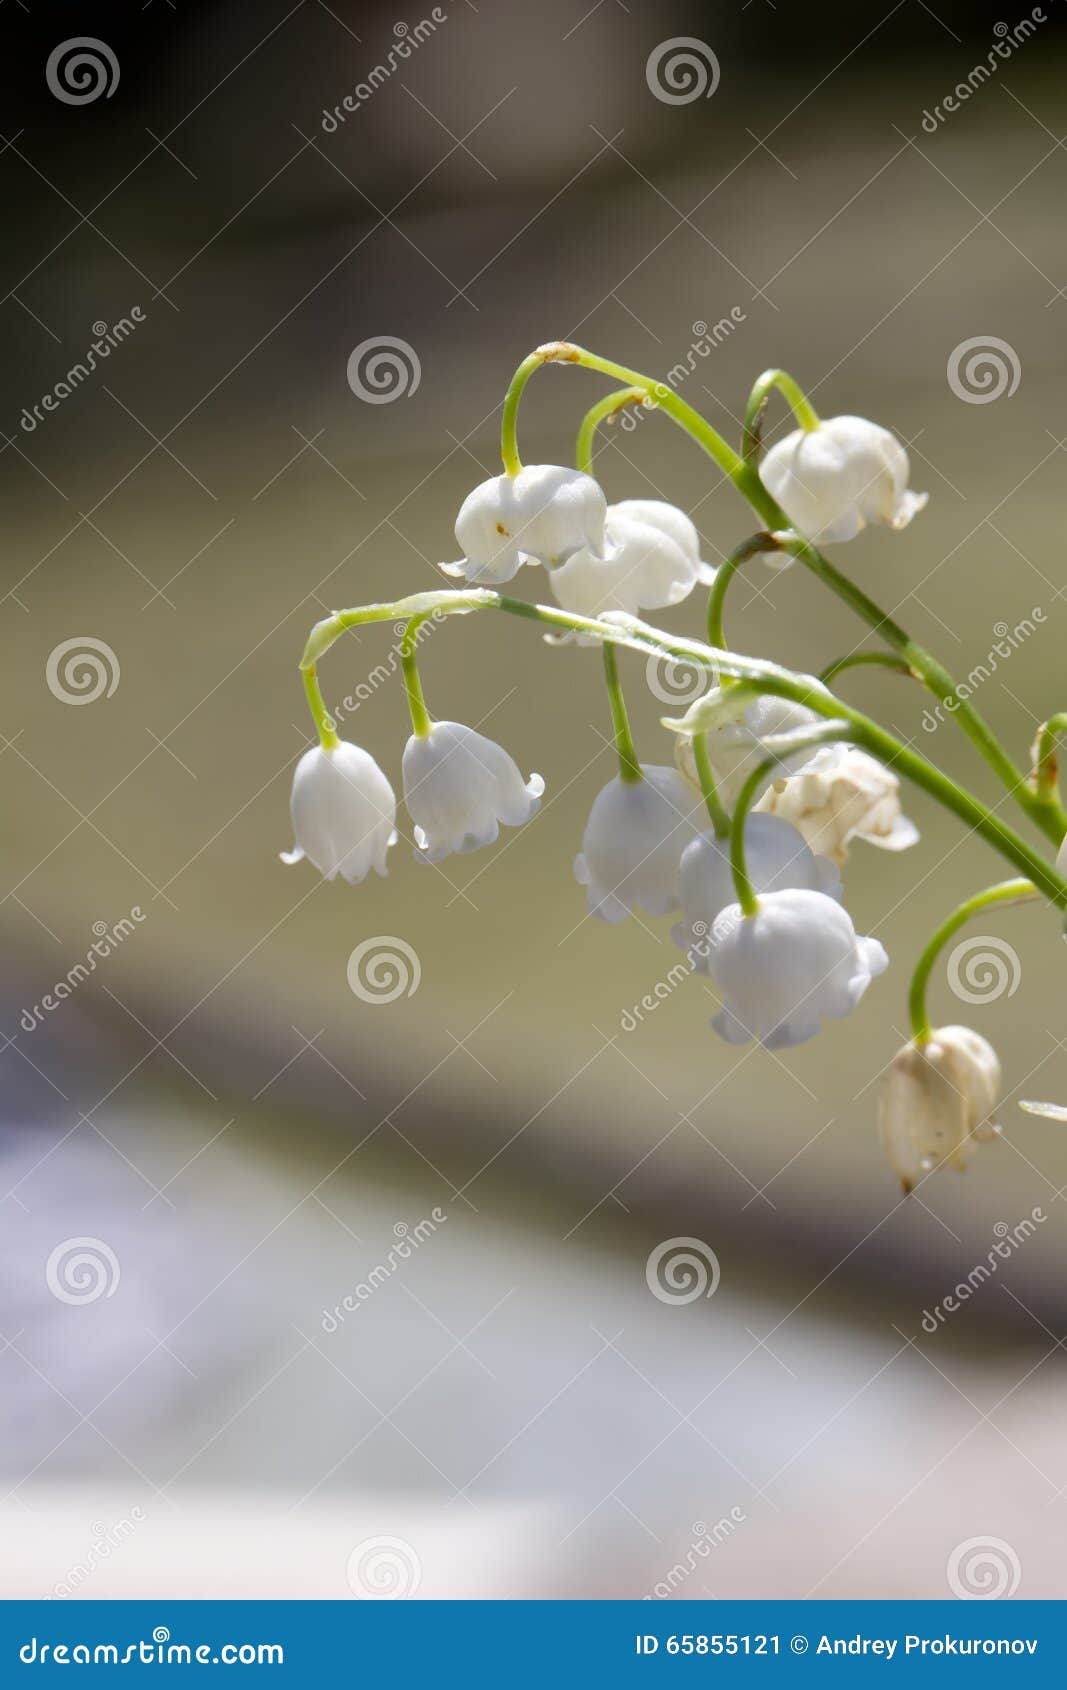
936	1103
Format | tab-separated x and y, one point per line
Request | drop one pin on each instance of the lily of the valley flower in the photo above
344	813
544	514
841	795
833	480
833	794
738	747
633	843
776	857
459	787
781	970
652	560
937	1101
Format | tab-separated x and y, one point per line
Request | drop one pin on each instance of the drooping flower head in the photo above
459	787
781	970
651	560
833	480
937	1101
633	844
776	858
344	813
544	514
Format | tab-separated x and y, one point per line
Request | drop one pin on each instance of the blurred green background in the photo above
242	1130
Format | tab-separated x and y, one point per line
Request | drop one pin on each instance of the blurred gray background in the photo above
249	1138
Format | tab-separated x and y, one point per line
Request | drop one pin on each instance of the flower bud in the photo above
936	1103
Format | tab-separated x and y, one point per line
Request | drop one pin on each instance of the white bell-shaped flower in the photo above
781	970
937	1101
650	561
344	813
459	787
841	795
833	480
633	844
675	523
544	514
736	749
776	857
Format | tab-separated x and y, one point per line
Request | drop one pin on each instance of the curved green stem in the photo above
795	398
629	767
563	352
598	413
746	895
1045	774
859	659
328	737
718	814
724	574
1007	892
744	474
420	717
761	676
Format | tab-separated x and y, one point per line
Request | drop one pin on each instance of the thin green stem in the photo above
1007	892
933	673
629	767
327	733
421	722
861	659
746	895
761	676
1045	773
563	352
724	574
795	398
718	814
598	413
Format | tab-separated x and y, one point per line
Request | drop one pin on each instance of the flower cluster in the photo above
774	777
